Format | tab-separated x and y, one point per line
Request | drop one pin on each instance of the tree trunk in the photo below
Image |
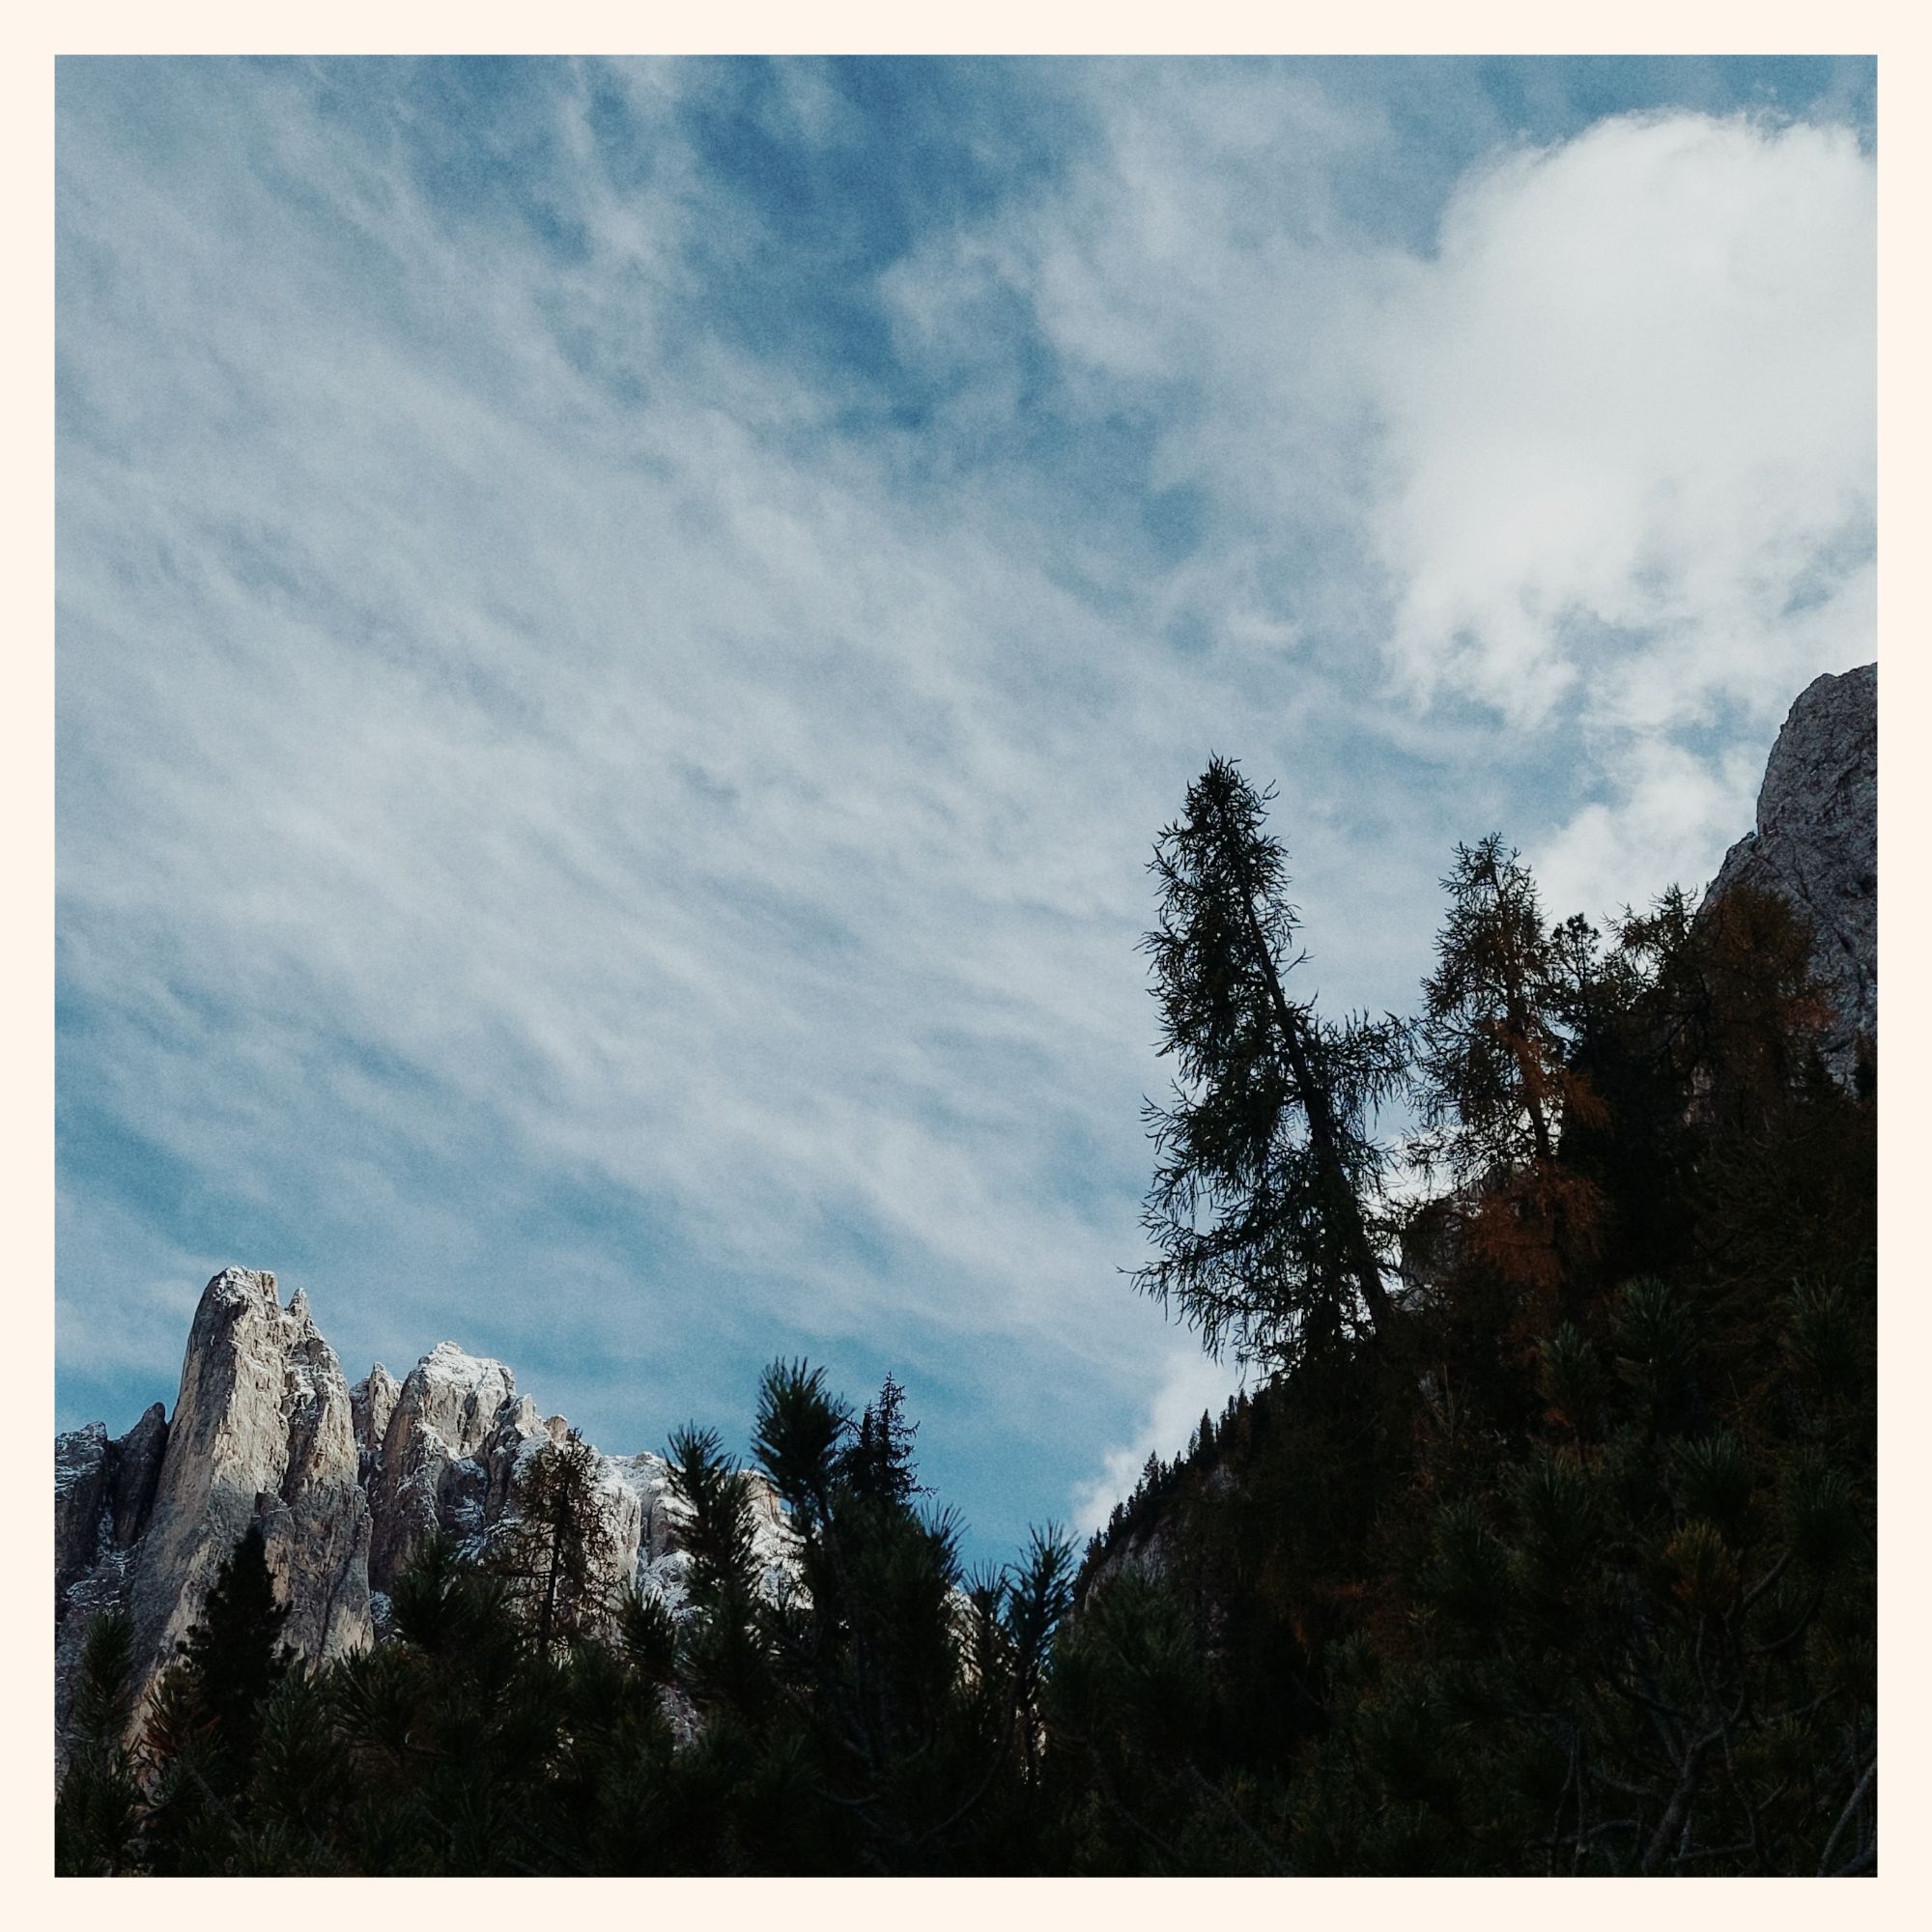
547	1622
1321	1129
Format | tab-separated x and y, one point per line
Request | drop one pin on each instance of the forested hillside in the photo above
1542	1541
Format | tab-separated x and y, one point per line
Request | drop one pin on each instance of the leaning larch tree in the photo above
1264	1157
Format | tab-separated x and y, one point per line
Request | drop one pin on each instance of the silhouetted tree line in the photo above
1542	1540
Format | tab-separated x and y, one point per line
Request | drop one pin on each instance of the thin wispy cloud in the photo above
625	632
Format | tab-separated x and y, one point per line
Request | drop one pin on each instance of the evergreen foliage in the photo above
1265	1164
552	1547
96	1813
194	1773
879	1461
1599	1599
233	1656
1495	1074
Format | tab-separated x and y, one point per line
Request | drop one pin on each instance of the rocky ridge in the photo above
1815	844
344	1481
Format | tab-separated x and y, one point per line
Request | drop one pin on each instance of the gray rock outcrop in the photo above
260	1431
429	1476
1815	844
80	1500
104	1493
136	1475
371	1403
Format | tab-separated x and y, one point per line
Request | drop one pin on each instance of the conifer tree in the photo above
234	1657
1264	1157
873	1709
878	1459
553	1546
1730	994
97	1814
202	1729
1491	1067
722	1659
1494	1076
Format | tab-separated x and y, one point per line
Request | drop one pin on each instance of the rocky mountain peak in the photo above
345	1482
428	1474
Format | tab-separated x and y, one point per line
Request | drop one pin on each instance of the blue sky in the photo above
625	632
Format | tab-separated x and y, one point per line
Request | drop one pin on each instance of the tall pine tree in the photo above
1265	1159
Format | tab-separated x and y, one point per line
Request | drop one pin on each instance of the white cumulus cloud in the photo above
1631	423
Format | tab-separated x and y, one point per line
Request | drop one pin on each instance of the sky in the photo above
625	632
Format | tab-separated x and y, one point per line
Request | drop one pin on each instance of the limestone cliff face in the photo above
1815	844
260	1431
345	1482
